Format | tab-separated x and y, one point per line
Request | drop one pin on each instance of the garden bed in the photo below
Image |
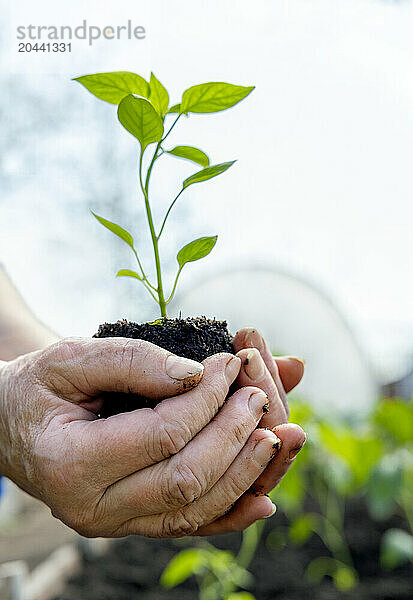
131	568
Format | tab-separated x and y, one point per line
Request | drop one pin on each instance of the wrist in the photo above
16	425
4	429
11	446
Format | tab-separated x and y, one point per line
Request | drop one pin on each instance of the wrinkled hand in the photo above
276	377
167	472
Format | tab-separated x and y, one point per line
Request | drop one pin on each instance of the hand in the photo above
150	472
276	377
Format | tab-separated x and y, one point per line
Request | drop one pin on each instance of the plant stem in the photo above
159	289
171	127
174	287
250	540
144	278
147	284
331	529
145	190
167	213
148	174
155	155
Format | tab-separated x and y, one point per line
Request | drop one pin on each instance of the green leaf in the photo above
139	117
383	488
212	97
359	452
196	250
207	173
395	417
191	153
158	96
220	561
320	567
302	528
112	87
396	548
176	108
116	229
183	565
345	578
128	273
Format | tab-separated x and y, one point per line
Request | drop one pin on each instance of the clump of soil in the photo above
195	338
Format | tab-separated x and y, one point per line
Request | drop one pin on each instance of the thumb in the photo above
93	366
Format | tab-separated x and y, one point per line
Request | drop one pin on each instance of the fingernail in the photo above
178	367
293	453
253	338
298	359
273	510
232	369
264	449
254	365
276	447
258	404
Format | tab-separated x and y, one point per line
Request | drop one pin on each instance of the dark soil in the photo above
132	567
195	338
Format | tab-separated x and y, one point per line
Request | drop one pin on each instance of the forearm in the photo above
16	424
20	330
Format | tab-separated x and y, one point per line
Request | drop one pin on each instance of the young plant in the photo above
143	110
219	573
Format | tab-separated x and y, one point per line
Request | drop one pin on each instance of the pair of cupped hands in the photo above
199	463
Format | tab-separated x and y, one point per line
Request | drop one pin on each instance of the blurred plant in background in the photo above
369	461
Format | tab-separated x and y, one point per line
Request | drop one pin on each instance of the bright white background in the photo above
323	183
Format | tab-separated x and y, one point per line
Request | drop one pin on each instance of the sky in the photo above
322	186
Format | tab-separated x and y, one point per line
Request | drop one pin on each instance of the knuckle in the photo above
54	354
131	351
215	394
183	487
171	438
64	349
240	433
60	357
179	524
127	351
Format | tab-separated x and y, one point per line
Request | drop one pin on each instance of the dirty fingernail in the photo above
276	447
254	366
232	369
258	404
253	338
181	368
272	509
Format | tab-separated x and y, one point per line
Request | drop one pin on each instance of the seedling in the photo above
143	110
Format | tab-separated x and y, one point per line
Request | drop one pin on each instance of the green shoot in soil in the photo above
143	110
